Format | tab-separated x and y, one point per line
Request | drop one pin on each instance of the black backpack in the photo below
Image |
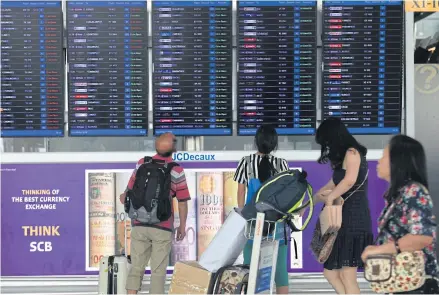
150	201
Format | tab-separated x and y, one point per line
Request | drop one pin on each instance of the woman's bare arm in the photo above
241	195
352	163
321	193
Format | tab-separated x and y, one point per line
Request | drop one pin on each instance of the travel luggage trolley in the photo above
264	253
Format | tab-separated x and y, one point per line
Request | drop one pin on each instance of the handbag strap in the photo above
358	187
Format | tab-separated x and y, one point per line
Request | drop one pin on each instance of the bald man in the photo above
153	242
165	145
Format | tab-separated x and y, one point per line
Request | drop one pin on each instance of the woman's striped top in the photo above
242	172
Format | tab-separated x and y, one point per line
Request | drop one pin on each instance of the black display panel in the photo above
192	77
363	64
108	68
32	67
277	51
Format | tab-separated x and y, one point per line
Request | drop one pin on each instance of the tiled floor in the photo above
299	284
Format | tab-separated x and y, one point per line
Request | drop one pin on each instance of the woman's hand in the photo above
302	212
329	201
122	198
370	250
321	196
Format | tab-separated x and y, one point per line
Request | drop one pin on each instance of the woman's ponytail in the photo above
266	143
265	169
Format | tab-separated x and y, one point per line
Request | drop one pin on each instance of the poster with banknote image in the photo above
213	195
210	207
230	190
101	211
111	234
186	249
101	206
123	222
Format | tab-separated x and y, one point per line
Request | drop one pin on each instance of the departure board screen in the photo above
32	67
363	64
108	68
277	48
192	77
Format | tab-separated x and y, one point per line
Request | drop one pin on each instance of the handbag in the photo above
327	226
321	245
395	273
331	217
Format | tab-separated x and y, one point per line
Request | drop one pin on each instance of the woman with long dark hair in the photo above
260	166
347	158
410	225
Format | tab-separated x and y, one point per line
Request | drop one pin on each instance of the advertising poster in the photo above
186	249
101	216
60	219
210	210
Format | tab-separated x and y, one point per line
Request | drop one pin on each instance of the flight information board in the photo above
362	64
192	77
277	51
32	67
108	68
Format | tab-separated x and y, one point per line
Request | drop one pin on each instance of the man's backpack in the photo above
150	201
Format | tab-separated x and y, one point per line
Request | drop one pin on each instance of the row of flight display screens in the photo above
192	80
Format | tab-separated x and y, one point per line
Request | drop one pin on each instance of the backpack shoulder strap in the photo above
147	160
309	204
169	166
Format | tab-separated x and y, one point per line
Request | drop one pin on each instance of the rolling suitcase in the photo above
113	273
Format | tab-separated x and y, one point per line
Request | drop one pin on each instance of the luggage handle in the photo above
125	251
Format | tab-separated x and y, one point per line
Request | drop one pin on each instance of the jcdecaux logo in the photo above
193	157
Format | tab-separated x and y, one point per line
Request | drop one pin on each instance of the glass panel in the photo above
80	144
105	144
427	39
239	143
428	27
23	145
